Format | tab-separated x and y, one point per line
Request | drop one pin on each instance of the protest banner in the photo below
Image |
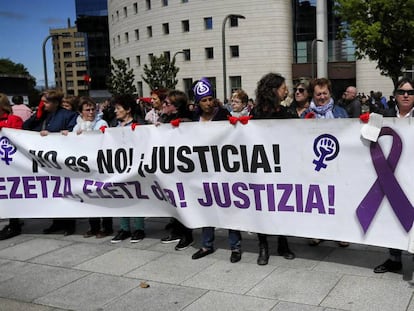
307	178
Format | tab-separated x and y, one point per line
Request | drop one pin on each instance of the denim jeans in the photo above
208	238
137	223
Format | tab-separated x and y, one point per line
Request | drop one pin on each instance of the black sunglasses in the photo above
402	92
300	89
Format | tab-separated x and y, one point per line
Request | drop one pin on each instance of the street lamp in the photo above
223	40
175	55
44	54
313	56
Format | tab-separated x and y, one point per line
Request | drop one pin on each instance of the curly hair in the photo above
267	98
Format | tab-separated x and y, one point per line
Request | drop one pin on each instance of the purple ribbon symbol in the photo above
386	184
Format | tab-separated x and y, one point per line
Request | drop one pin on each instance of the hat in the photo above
202	88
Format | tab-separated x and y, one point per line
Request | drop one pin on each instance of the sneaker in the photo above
172	238
8	232
184	244
137	236
122	235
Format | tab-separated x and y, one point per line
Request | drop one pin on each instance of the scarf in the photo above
323	112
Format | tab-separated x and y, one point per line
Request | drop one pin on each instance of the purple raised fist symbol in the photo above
326	148
6	150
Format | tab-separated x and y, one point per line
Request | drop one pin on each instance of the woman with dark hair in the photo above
404	96
271	90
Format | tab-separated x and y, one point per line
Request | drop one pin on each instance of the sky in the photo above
24	25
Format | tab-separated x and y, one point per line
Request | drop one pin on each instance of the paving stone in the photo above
230	302
119	261
12	305
32	248
228	277
89	293
363	293
31	281
296	285
170	268
157	297
291	306
72	255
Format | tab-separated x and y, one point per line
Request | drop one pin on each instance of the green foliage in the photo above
161	73
383	30
11	68
121	80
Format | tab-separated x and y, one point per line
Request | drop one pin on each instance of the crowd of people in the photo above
310	99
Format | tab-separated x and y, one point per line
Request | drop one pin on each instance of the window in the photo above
167	55
148	4
185	25
80	53
149	31
166	28
136	31
135	8
112	17
209	53
184	1
66	45
150	57
68	74
234	51
126	35
125	11
119	40
139	87
128	62
67	54
113	41
235	83
117	16
208	23
164	2
187	54
79	44
234	22
188	82
138	60
69	84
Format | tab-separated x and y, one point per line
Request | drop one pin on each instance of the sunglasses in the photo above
299	89
402	92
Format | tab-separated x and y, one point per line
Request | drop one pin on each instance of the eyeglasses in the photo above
299	89
402	92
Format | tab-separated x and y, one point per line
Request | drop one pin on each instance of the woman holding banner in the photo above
9	120
404	95
208	111
50	117
271	90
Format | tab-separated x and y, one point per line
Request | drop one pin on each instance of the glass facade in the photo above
92	19
304	32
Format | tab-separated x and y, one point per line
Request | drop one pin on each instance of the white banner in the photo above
308	178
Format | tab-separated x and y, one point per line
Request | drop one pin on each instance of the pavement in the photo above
52	272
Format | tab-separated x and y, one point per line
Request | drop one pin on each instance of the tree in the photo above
383	30
161	74
10	68
121	80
